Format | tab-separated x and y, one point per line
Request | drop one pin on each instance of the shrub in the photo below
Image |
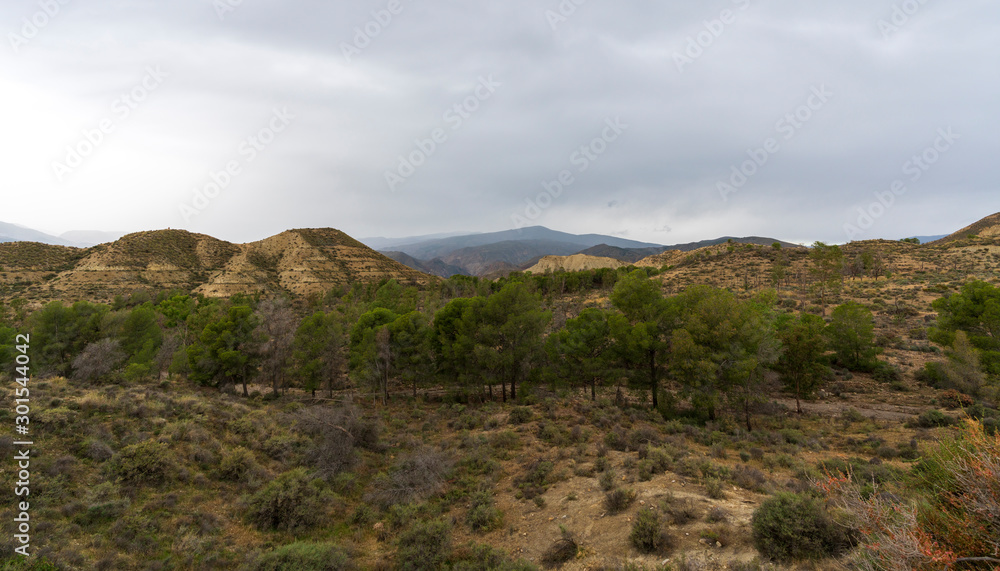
648	535
483	515
336	433
98	450
714	489
608	480
750	479
291	502
302	556
885	373
478	557
954	399
679	511
520	415
426	545
416	476
717	514
146	463
563	550
237	465
535	480
616	501
793	526
932	419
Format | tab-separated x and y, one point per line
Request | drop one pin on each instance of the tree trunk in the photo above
513	385
593	389
798	406
653	381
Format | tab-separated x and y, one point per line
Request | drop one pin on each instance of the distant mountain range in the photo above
487	254
76	239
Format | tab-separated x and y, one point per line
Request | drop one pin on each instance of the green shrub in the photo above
146	463
478	557
648	535
714	489
885	373
483	515
608	480
791	526
520	415
426	545
302	556
932	419
618	500
237	465
292	501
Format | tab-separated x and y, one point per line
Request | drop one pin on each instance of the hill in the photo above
988	227
300	262
574	263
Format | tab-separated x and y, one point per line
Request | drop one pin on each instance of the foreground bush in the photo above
954	521
426	545
648	535
292	501
793	526
146	463
304	557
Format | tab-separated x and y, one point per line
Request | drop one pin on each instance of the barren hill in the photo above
300	262
574	263
988	227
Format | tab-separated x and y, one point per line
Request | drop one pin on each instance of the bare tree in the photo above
278	324
98	359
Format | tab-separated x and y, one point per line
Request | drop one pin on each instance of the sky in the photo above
661	122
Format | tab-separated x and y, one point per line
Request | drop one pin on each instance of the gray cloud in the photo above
353	119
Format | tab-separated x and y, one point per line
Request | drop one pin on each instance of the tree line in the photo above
488	340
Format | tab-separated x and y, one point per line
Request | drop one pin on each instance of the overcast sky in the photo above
123	115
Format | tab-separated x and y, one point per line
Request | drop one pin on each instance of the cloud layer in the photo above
394	117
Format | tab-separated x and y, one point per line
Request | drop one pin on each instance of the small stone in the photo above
719	545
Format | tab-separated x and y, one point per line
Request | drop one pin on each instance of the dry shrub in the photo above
562	550
336	432
416	476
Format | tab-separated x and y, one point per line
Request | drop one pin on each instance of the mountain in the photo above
380	243
480	260
442	247
301	262
497	253
435	267
988	227
15	233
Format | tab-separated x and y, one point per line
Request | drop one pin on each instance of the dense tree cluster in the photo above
705	346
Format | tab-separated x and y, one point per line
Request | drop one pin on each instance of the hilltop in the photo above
988	227
300	262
